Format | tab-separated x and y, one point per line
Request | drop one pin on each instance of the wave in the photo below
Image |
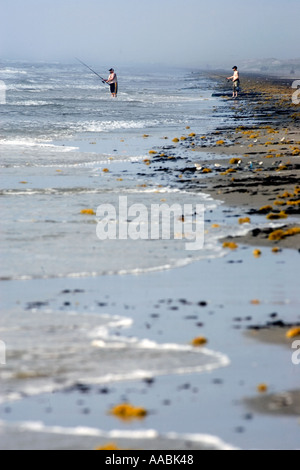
59	355
35	143
38	433
31	103
108	126
13	71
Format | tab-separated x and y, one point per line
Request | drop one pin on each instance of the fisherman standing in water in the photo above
113	83
236	81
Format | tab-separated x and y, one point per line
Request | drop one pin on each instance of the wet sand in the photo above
257	166
230	301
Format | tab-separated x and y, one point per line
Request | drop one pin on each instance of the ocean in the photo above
66	145
79	311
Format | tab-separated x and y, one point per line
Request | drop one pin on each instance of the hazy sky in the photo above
179	32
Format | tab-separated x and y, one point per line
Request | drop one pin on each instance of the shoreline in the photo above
180	305
216	298
256	168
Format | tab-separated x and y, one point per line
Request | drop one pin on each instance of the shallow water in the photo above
65	318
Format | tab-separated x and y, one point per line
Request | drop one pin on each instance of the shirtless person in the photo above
113	83
236	81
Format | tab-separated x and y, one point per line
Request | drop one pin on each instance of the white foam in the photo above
206	440
13	71
30	103
35	143
108	126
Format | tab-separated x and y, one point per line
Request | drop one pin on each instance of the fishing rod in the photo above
99	76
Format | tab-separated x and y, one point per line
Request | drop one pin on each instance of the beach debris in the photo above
220	142
235	161
128	412
230	245
245	220
262	388
282	167
257	253
276	250
152	152
293	203
105	170
255	302
200	341
281	215
175	140
265	210
277	235
280	234
23	182
206	170
109	446
215	226
296	152
293	332
228	172
198	166
88	212
286	195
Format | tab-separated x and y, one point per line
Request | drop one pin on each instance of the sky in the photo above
170	32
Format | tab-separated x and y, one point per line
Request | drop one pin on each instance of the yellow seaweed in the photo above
88	212
293	332
262	388
128	412
200	341
245	220
257	253
230	245
281	215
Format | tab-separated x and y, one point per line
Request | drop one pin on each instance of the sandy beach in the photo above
259	166
213	339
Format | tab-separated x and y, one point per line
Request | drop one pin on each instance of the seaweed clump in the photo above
127	412
280	234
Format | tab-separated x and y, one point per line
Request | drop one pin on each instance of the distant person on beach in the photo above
236	81
113	83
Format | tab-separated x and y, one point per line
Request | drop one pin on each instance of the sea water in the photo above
67	146
60	129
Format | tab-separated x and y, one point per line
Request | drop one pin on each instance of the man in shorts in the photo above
236	81
113	83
